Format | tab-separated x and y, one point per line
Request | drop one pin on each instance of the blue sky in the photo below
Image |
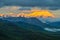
31	2
44	3
52	4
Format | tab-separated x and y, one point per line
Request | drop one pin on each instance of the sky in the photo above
53	5
43	3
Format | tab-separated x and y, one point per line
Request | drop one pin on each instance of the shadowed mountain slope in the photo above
23	31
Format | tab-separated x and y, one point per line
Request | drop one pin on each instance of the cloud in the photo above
7	9
40	3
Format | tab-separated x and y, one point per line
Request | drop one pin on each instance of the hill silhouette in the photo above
24	31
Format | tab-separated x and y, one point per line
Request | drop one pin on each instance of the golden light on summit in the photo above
33	13
38	13
43	13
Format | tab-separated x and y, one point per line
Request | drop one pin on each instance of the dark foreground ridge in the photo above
24	31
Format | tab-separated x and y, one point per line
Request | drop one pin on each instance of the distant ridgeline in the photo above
32	13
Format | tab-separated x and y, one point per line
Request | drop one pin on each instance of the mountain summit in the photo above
32	13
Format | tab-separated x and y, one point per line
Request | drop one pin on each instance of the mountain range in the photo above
21	28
